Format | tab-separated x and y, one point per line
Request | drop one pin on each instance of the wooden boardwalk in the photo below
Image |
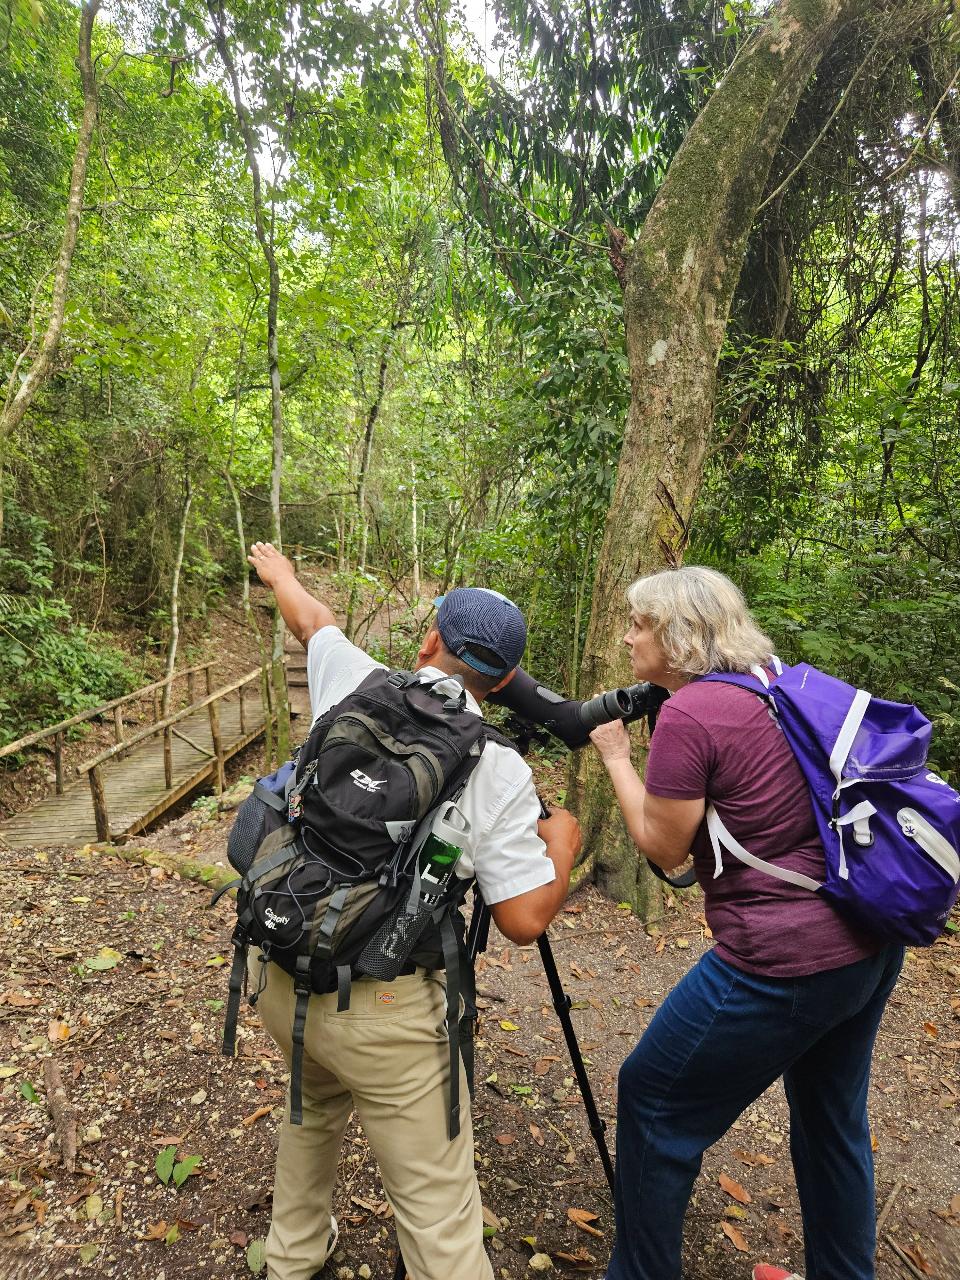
133	784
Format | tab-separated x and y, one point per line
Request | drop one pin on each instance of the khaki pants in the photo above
388	1057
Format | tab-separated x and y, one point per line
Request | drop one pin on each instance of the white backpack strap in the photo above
761	676
776	664
721	838
848	731
858	818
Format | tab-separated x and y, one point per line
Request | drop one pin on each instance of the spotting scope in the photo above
571	719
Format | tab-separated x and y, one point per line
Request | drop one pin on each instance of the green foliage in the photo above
50	668
885	624
446	288
168	1167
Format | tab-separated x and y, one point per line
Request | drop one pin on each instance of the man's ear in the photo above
430	645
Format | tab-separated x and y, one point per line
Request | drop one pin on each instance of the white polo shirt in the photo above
499	800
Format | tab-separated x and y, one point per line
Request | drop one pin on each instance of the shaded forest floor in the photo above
116	970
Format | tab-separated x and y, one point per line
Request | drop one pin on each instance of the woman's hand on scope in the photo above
612	741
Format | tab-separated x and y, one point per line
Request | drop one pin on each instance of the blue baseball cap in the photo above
477	616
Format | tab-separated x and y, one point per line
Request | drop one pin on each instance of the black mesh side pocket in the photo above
247	834
391	946
255	820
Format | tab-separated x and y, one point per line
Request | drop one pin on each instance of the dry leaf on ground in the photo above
736	1236
735	1190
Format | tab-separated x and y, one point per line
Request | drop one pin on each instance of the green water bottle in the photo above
442	851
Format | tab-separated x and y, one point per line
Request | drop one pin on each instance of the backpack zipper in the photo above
930	841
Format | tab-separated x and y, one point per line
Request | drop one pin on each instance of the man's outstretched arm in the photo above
303	613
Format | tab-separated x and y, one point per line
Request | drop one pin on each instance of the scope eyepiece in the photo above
615	704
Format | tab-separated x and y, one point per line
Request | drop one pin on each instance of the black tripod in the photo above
477	936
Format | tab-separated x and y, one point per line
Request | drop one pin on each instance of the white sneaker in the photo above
332	1241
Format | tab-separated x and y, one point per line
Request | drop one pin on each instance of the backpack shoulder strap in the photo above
756	681
489	733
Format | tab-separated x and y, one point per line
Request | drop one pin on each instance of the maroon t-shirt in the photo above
722	743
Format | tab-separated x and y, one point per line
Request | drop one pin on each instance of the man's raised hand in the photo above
270	564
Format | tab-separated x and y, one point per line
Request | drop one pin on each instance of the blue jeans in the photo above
717	1042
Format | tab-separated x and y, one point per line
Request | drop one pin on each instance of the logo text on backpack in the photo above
271	919
360	779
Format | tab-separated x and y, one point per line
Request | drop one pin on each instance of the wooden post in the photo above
118	724
191	695
217	745
167	758
99	803
243	725
206	672
58	761
156	706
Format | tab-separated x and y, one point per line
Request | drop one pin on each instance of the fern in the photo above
12	607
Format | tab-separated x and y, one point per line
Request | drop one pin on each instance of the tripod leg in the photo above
479	931
561	1002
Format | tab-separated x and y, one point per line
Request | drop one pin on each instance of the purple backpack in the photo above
890	827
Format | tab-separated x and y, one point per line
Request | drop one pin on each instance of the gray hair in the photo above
700	620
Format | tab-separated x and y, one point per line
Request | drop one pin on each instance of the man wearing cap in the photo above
386	1055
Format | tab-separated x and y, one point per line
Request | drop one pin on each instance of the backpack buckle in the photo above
301	979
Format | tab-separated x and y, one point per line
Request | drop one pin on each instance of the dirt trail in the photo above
116	970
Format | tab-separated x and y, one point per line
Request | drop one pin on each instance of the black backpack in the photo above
328	850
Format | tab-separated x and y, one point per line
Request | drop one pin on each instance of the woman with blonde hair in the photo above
790	989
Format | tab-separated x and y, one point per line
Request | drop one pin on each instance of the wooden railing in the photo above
166	727
58	731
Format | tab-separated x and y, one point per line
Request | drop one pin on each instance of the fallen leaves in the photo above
916	1256
106	958
583	1219
735	1236
254	1116
734	1190
543	1065
753	1158
582	1260
491	1220
257	1255
19	999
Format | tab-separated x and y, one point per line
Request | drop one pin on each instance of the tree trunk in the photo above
249	615
415	533
680	278
373	414
175	601
20	398
265	240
